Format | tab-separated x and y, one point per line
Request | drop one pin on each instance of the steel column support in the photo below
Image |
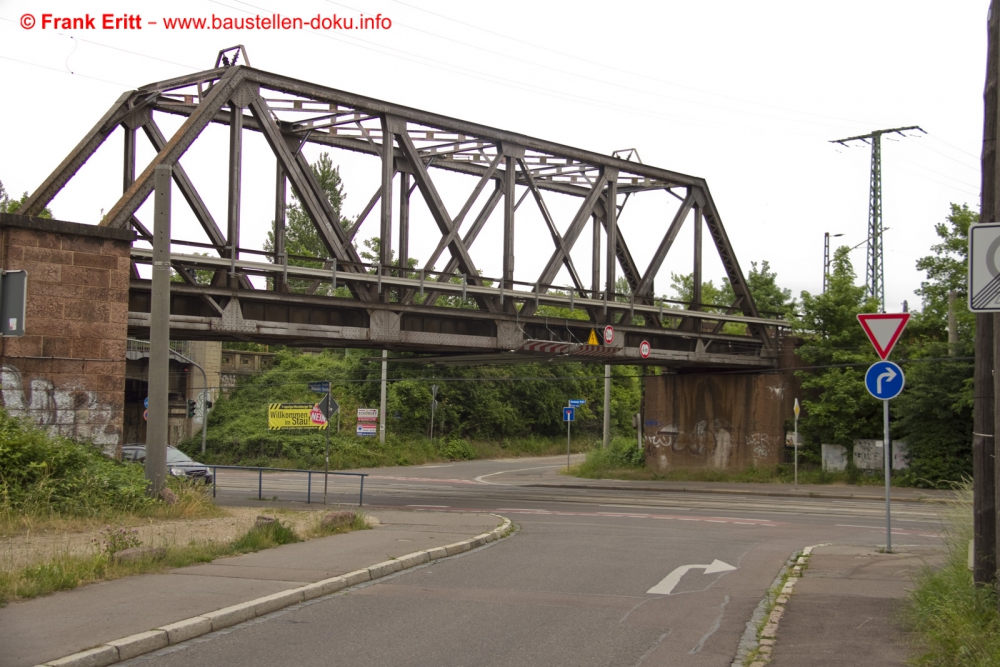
404	223
595	262
235	182
509	203
280	203
128	168
388	172
159	337
611	221
696	273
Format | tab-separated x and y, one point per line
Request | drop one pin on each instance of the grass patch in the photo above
66	571
957	622
348	452
359	522
624	460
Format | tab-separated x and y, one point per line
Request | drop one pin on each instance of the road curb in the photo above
129	647
761	632
738	492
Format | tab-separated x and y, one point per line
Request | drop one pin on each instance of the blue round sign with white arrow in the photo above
884	380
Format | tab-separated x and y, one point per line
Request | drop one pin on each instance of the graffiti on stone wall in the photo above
759	445
711	441
69	411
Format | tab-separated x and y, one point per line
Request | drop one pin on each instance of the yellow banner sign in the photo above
295	415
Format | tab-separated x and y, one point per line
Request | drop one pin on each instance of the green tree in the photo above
301	237
947	270
769	297
934	413
8	205
837	406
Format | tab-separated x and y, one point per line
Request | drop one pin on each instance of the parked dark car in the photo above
179	464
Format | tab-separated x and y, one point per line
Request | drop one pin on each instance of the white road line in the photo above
504	472
650	507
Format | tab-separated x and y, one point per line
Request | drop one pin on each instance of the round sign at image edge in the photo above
609	335
644	349
879	368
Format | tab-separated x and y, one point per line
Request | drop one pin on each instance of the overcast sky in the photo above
745	94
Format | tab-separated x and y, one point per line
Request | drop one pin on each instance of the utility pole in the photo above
159	336
874	274
984	483
381	412
826	258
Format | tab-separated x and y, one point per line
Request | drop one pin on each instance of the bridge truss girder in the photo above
413	146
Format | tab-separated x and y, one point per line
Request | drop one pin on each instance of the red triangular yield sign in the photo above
883	330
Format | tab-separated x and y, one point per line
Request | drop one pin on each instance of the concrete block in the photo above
324	587
480	540
384	568
229	616
412	560
458	547
276	601
144	642
770	631
437	552
181	631
357	577
95	657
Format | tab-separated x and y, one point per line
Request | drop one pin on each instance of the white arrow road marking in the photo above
674	578
889	375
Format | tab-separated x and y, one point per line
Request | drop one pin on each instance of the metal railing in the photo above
309	475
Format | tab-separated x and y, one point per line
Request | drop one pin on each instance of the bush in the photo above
457	450
40	472
264	537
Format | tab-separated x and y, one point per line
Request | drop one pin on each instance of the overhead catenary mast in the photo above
874	272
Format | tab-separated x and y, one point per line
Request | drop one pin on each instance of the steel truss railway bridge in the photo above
392	304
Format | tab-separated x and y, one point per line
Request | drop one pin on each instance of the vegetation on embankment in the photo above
482	411
624	460
66	570
956	622
52	482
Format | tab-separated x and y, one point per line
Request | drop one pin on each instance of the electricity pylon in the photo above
874	272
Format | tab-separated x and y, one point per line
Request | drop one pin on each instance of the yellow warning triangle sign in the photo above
593	338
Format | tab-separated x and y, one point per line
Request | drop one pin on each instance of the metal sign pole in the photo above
888	467
795	443
568	422
326	470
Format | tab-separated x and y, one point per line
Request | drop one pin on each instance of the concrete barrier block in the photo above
144	642
324	587
276	601
229	616
437	552
95	657
357	577
181	631
384	568
458	547
414	559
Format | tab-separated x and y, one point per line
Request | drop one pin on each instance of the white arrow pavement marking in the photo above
674	578
889	375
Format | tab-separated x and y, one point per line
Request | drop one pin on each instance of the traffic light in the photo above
191	408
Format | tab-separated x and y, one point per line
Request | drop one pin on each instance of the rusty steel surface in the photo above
271	297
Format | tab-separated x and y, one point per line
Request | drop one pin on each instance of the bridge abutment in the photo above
67	373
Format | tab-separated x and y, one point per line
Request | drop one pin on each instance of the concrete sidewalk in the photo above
44	629
846	608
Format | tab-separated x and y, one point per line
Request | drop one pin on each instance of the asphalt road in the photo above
571	587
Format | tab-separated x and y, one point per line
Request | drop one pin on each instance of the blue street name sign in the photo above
569	414
319	387
577	402
884	380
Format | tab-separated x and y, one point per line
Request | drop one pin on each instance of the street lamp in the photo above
826	257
